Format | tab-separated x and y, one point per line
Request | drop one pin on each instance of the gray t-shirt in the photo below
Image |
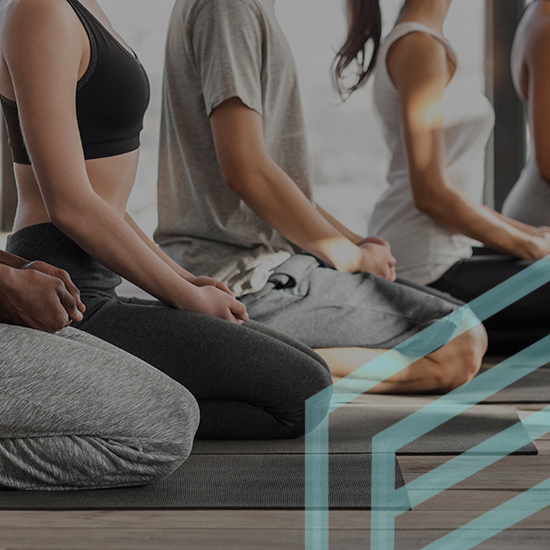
217	50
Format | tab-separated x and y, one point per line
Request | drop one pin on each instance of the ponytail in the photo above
365	23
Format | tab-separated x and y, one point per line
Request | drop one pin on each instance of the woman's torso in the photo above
423	248
111	176
529	200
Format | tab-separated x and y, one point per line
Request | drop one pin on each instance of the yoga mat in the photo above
222	481
533	388
351	429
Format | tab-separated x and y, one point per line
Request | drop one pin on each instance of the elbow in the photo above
542	159
242	181
64	218
544	169
427	204
71	212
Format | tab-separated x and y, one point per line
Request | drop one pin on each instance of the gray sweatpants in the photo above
324	308
77	413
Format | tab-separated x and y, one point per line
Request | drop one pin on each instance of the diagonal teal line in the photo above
471	462
494	522
476	459
433	337
394	361
461	399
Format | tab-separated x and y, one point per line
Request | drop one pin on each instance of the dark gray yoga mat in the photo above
533	388
222	481
351	429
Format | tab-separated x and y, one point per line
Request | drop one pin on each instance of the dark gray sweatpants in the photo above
77	413
250	382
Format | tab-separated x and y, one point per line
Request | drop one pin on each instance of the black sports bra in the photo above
111	97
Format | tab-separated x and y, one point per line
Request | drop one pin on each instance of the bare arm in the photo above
44	69
354	238
11	260
538	66
189	277
269	191
418	67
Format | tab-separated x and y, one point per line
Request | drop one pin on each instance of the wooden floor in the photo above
284	530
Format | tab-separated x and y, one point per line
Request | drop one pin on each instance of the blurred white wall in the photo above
349	160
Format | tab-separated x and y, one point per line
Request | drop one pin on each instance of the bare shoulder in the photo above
538	40
35	17
33	29
417	56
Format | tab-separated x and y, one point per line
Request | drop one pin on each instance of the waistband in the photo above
47	243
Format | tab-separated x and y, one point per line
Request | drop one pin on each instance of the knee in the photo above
170	437
462	358
311	400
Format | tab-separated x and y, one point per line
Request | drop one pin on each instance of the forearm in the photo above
272	195
159	252
455	212
354	238
11	260
108	238
529	229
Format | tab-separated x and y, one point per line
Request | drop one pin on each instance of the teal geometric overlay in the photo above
385	444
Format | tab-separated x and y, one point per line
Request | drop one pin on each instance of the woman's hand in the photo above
378	260
374	240
210	300
208	281
541	231
539	245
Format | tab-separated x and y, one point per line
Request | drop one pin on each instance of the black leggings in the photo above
515	327
250	382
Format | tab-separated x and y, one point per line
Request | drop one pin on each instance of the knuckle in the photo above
60	320
58	285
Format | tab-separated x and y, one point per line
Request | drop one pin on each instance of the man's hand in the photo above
52	271
377	258
31	297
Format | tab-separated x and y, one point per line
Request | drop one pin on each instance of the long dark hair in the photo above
364	24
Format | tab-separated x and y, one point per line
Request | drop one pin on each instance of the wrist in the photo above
533	249
187	298
344	255
12	261
10	282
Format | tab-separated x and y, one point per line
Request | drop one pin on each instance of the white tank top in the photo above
424	249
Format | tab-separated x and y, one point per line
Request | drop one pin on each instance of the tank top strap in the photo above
83	14
408	27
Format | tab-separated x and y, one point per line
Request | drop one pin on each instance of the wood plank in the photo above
233	520
494	481
468	500
543	446
508	540
251	539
